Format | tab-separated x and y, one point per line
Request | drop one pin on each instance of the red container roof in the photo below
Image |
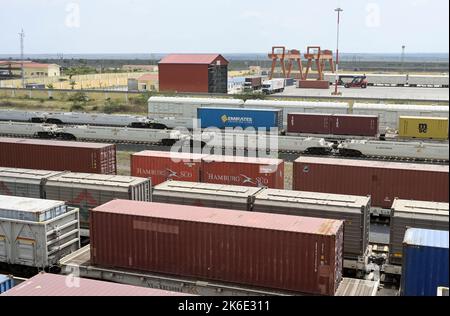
239	159
203	59
266	221
45	284
168	154
372	164
55	143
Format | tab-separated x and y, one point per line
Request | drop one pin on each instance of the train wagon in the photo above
86	191
58	155
354	210
205	195
35	233
418	214
222	245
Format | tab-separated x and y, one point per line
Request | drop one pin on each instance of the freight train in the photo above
372	149
398	80
179	112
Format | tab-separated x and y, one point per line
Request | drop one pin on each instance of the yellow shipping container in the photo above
423	127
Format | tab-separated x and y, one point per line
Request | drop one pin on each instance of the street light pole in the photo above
338	10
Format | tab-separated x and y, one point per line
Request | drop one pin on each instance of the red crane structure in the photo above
291	57
315	55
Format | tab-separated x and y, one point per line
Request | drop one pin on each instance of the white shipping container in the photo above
39	244
27	209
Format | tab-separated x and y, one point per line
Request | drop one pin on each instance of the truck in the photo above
253	83
273	86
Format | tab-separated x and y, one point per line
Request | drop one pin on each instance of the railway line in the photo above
436	153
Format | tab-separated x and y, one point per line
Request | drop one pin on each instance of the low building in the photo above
148	82
133	68
31	69
204	73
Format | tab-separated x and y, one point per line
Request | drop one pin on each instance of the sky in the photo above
222	26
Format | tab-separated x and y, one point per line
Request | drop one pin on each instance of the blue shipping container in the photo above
245	118
425	262
6	283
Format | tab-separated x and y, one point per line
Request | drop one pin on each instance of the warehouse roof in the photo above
204	59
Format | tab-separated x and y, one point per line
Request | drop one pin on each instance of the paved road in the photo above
376	92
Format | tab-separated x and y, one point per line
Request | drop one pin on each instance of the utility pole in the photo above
22	36
403	59
338	10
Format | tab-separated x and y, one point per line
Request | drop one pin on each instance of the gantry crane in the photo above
320	57
292	57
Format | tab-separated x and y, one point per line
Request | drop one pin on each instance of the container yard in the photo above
225	173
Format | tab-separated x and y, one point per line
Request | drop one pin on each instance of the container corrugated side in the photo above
423	127
86	191
354	210
205	195
245	118
289	253
243	171
425	262
6	283
383	181
417	214
58	155
163	166
39	244
24	182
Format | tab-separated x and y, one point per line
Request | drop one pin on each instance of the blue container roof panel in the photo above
426	238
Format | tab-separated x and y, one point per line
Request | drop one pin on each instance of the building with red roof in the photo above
204	73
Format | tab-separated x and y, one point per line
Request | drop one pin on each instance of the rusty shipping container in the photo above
306	123
355	125
162	166
383	181
205	195
329	124
243	171
58	155
289	253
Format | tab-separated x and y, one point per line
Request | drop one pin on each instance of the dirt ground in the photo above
123	163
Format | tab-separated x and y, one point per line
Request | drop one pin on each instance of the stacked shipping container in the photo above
58	155
288	253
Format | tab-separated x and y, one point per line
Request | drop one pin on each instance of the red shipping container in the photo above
305	123
162	166
245	171
58	155
384	181
290	253
355	125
